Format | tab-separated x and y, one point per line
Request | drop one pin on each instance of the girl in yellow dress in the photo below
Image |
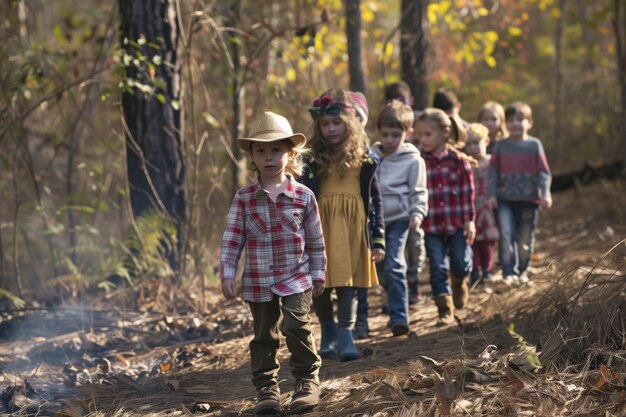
340	171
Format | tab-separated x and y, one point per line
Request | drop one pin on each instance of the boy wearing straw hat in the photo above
277	219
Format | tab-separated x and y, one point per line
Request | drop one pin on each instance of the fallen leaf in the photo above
122	359
165	367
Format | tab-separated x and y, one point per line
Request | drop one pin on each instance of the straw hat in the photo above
270	127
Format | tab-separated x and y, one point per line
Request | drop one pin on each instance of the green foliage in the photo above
145	250
524	355
14	299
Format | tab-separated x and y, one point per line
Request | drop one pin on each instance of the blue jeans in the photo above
459	262
517	221
393	271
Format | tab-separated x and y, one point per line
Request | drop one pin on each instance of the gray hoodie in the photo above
402	179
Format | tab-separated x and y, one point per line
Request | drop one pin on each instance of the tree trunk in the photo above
155	151
619	25
355	56
558	84
238	94
414	49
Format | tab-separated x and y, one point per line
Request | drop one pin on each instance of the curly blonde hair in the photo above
478	130
355	146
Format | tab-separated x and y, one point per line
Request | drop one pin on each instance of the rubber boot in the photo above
328	345
347	349
460	292
445	307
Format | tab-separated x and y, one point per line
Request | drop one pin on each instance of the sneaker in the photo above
511	280
523	279
306	396
399	329
268	400
487	277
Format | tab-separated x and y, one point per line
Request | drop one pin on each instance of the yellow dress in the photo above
343	218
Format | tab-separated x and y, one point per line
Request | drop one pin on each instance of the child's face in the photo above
391	138
475	147
491	120
333	129
431	137
271	159
518	126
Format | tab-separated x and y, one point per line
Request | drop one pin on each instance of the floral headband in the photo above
324	105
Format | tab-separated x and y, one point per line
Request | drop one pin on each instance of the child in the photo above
518	185
341	174
399	91
446	100
415	251
402	178
277	220
361	327
449	225
492	116
486	227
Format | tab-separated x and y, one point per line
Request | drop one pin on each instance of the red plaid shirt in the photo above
283	239
450	193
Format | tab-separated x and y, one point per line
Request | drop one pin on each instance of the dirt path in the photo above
162	365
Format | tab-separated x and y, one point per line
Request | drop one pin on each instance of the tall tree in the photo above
238	90
619	28
355	55
151	104
414	48
558	82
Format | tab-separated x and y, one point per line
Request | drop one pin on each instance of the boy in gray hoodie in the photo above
402	180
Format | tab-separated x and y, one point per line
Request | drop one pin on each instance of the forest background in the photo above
67	84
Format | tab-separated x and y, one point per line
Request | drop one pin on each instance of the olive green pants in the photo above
295	326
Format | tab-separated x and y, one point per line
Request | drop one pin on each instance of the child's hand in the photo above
469	231
318	288
492	203
546	201
378	255
414	223
229	288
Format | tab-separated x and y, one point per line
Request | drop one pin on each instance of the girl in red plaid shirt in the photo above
449	227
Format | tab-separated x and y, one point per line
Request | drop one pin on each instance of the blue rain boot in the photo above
347	349
328	345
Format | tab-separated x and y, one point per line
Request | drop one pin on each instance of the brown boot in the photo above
460	292
306	396
445	308
268	400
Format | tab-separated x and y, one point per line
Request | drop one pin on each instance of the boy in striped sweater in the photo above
518	186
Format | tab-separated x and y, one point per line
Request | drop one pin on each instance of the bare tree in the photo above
238	90
153	120
355	55
619	25
558	83
414	48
